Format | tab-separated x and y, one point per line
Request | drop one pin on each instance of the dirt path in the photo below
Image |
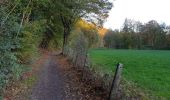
58	80
50	85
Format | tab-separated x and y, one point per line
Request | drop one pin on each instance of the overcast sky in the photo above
139	10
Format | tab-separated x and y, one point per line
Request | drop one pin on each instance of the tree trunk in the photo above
65	37
65	40
64	43
67	28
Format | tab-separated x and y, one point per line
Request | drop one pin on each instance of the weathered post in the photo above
116	82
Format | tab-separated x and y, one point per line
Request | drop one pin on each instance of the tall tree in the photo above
91	10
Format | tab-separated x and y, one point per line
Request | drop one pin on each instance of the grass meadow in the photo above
149	69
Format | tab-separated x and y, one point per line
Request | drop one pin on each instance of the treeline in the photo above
136	35
27	25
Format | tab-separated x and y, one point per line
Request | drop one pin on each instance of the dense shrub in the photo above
18	45
77	48
9	42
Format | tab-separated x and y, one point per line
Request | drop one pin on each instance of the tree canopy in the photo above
26	25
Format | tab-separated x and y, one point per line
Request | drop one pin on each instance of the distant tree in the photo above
128	26
135	35
109	39
154	35
168	41
129	36
113	39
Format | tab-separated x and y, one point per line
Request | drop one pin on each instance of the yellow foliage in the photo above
102	31
82	24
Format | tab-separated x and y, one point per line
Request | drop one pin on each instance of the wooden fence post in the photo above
115	83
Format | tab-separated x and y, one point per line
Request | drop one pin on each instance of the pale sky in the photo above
139	10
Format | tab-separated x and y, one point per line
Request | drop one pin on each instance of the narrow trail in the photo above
58	80
50	85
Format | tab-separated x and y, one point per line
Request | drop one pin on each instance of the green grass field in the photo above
149	69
